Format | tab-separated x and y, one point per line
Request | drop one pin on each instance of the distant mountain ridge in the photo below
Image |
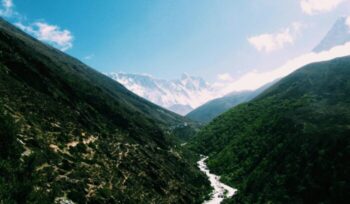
339	34
215	107
180	95
188	93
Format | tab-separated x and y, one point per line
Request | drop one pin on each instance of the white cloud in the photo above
88	57
254	79
347	22
6	8
269	42
224	77
7	3
51	34
312	7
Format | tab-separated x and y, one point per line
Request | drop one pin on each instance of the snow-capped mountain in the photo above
187	93
180	95
339	34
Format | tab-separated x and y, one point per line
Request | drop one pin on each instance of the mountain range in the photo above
180	95
339	34
69	134
189	93
210	110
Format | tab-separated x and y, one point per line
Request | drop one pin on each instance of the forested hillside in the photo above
289	145
212	109
69	133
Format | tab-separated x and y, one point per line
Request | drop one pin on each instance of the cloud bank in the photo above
224	77
312	7
254	79
269	42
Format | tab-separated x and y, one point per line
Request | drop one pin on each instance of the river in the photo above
221	190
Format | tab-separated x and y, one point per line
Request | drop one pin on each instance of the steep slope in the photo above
180	95
289	145
339	34
69	133
214	108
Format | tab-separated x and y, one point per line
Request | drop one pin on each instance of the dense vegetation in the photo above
289	145
69	133
210	110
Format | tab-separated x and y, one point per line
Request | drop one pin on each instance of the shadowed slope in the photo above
82	136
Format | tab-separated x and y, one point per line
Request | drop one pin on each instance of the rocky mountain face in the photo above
180	95
70	134
339	34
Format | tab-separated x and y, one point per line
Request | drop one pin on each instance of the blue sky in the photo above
205	38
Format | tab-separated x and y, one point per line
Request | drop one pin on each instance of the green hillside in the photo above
69	133
289	145
210	110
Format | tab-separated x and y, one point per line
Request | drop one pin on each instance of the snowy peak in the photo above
192	83
338	35
179	95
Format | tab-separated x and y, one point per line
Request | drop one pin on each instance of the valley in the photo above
73	134
289	144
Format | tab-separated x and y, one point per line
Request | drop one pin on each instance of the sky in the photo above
218	40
